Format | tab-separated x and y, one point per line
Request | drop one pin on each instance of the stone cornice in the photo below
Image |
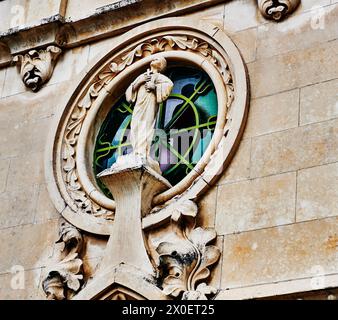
106	21
111	20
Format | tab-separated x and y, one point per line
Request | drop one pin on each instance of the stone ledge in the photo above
274	290
67	33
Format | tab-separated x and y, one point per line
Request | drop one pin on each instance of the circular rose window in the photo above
184	127
198	127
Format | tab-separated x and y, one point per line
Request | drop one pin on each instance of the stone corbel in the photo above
64	276
184	264
277	9
36	66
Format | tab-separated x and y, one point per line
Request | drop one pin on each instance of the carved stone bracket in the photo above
64	276
277	9
36	66
184	264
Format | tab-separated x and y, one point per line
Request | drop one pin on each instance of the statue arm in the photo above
131	93
163	88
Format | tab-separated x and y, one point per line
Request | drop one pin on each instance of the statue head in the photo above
158	64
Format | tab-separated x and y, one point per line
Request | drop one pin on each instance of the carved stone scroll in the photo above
64	276
36	66
184	264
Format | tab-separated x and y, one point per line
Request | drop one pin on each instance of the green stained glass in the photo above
184	127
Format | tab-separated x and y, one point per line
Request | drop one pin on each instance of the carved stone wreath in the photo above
84	204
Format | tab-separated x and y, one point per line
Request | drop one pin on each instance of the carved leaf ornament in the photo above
184	264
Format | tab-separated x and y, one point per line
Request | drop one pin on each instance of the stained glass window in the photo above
184	127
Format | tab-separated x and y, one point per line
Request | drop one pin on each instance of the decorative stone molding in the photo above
177	265
66	32
184	264
64	276
212	51
36	66
277	9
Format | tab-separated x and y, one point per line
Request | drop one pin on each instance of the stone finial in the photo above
36	66
277	9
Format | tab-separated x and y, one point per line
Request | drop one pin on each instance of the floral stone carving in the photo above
64	276
184	264
277	9
36	66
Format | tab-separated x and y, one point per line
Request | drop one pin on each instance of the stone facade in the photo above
274	208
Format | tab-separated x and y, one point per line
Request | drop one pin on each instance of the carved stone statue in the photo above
147	91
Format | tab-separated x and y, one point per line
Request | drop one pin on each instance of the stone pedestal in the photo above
133	184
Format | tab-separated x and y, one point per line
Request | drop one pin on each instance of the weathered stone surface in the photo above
45	103
207	209
4	166
213	15
45	209
298	32
17	207
32	244
255	204
216	271
79	9
89	268
274	113
312	4
11	289
25	172
35	133
294	149
239	168
319	102
282	253
317	192
98	48
246	41
94	246
293	70
31	107
15	13
70	64
2	80
294	289
240	15
13	83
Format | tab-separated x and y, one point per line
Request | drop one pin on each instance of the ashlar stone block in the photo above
255	204
319	102
273	113
295	149
293	70
317	192
302	250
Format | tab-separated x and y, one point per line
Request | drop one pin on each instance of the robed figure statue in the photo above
147	91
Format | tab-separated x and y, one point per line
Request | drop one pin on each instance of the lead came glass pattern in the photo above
184	127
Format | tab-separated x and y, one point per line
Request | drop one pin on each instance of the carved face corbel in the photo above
277	9
36	66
